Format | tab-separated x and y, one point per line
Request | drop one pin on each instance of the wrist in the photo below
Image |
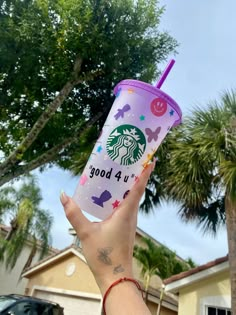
105	282
123	286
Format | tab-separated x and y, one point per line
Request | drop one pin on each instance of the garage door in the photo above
73	305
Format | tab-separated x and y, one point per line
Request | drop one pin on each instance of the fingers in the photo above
74	214
132	200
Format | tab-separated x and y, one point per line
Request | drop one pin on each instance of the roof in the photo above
174	283
72	249
4	229
169	301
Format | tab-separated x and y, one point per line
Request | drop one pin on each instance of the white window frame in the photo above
220	301
226	309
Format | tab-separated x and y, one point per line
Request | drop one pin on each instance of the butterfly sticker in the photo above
121	111
103	255
152	135
105	196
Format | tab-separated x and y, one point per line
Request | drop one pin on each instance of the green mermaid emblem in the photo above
126	144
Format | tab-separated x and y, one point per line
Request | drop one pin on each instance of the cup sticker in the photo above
126	144
152	134
104	197
158	107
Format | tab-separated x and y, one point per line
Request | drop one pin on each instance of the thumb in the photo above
74	214
135	194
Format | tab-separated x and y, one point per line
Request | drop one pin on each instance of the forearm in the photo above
108	249
125	299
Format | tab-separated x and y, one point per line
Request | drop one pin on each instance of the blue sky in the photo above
205	67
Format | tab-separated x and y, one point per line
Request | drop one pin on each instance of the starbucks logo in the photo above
126	144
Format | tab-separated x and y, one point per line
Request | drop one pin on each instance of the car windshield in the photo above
5	301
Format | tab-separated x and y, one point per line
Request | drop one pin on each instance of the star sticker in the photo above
130	91
172	112
148	159
142	117
83	179
99	149
115	204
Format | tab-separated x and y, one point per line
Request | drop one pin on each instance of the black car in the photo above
14	304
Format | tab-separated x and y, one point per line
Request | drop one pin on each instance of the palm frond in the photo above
229	101
41	228
157	260
29	222
208	217
155	192
228	173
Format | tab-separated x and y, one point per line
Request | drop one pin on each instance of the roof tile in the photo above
196	270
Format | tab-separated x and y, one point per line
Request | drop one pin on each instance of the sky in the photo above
205	67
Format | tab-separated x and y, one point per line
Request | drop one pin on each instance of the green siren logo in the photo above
126	144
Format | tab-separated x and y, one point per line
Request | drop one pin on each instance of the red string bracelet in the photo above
114	284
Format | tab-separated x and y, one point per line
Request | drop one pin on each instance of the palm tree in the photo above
200	172
27	221
156	260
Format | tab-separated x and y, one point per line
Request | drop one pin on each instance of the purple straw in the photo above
165	74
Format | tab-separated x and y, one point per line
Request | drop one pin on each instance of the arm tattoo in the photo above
118	269
103	255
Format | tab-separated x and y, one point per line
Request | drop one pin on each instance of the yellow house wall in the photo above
190	296
54	276
164	311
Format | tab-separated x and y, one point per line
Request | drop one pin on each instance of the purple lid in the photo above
155	91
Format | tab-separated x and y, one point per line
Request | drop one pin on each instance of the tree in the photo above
28	222
200	172
59	61
157	260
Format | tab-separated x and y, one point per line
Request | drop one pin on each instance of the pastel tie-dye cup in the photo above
138	121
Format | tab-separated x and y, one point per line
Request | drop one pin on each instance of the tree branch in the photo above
16	155
36	129
49	155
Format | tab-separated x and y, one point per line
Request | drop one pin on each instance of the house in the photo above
10	280
204	290
66	279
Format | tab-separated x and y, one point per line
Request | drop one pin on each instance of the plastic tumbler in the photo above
139	120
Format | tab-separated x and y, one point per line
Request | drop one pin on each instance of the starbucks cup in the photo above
139	120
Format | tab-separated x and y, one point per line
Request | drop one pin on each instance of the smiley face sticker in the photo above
158	107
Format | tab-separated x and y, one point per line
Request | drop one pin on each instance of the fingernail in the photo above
63	197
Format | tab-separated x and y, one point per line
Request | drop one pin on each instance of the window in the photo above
217	311
6	301
21	308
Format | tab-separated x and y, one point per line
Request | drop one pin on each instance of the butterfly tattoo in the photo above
103	255
118	269
152	135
